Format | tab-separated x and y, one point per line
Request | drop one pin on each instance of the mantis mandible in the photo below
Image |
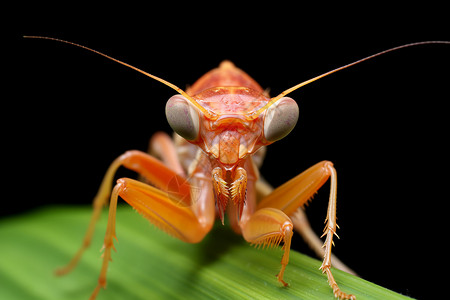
222	124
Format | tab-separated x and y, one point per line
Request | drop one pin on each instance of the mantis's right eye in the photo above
182	117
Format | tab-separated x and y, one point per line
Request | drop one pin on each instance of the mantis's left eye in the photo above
182	117
280	119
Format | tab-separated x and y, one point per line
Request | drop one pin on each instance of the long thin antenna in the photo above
202	109
290	90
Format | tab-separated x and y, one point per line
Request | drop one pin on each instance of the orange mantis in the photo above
210	167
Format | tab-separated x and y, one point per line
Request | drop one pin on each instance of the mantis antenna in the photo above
290	90
256	113
202	109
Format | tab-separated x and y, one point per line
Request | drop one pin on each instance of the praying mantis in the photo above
223	123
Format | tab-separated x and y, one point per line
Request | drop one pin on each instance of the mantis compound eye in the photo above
280	119
182	117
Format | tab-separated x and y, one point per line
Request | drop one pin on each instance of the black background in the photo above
383	123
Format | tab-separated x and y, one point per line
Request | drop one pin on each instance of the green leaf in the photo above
151	265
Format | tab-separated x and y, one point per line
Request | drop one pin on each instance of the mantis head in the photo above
229	129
